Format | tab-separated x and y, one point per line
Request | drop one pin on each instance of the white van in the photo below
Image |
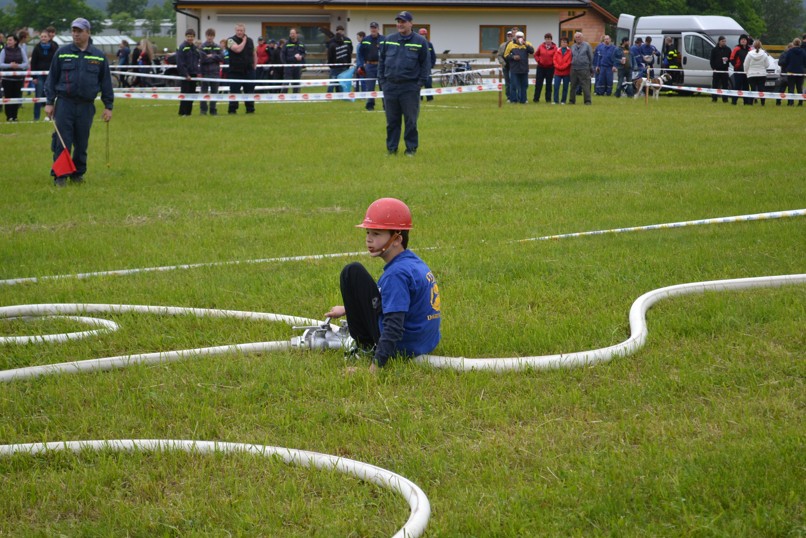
695	37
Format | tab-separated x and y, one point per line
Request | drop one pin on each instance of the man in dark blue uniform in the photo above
366	60
403	68
78	72
293	55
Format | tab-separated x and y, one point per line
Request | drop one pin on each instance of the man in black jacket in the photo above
189	66
242	62
720	60
339	56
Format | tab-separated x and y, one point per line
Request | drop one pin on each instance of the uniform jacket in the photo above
518	56
793	60
603	56
339	51
619	54
720	58
80	75
369	49
211	59
544	55
562	62
188	60
404	59
291	49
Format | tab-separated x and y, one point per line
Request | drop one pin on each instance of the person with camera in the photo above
517	54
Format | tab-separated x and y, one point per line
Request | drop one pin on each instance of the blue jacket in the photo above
79	75
291	49
404	59
794	60
188	60
603	56
368	50
211	59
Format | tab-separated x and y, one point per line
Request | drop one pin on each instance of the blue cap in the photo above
84	24
404	15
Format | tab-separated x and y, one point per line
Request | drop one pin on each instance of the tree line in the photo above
39	14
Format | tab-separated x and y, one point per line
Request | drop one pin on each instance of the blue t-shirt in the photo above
407	285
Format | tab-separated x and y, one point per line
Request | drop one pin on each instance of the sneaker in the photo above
78	179
60	181
411	152
391	153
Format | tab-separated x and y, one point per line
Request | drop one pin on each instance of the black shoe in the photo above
60	181
391	152
78	179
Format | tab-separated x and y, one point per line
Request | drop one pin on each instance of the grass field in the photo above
701	433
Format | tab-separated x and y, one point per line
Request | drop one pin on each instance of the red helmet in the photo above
387	214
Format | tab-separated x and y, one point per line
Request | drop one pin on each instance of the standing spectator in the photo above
123	52
276	69
188	67
795	65
562	70
78	72
24	36
41	58
211	59
262	72
339	55
293	56
737	57
432	56
544	73
242	61
603	63
400	314
358	83
720	60
403	67
517	54
637	59
143	57
671	60
581	68
225	66
2	46
502	61
755	68
12	58
623	63
367	60
650	53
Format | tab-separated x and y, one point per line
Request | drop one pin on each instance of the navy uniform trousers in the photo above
402	102
74	120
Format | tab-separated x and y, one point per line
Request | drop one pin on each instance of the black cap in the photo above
374	24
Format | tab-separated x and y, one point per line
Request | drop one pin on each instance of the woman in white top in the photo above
755	67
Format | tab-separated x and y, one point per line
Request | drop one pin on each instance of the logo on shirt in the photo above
436	303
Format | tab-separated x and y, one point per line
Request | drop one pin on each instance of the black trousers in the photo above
362	301
186	87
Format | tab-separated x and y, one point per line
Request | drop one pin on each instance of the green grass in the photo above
701	433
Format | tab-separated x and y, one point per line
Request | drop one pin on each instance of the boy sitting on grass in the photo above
400	315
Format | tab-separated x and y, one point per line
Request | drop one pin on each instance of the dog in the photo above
652	85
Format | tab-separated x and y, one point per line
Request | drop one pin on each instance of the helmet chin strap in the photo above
389	243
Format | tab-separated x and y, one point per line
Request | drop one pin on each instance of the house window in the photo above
308	33
491	37
569	34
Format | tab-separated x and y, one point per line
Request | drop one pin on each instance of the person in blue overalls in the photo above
78	72
366	60
403	68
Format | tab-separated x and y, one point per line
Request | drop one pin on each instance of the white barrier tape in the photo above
682	224
420	507
123	272
739	93
280	97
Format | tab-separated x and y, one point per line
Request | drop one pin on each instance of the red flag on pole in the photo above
63	166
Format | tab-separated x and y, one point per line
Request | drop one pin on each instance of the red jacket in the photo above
544	55
562	62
